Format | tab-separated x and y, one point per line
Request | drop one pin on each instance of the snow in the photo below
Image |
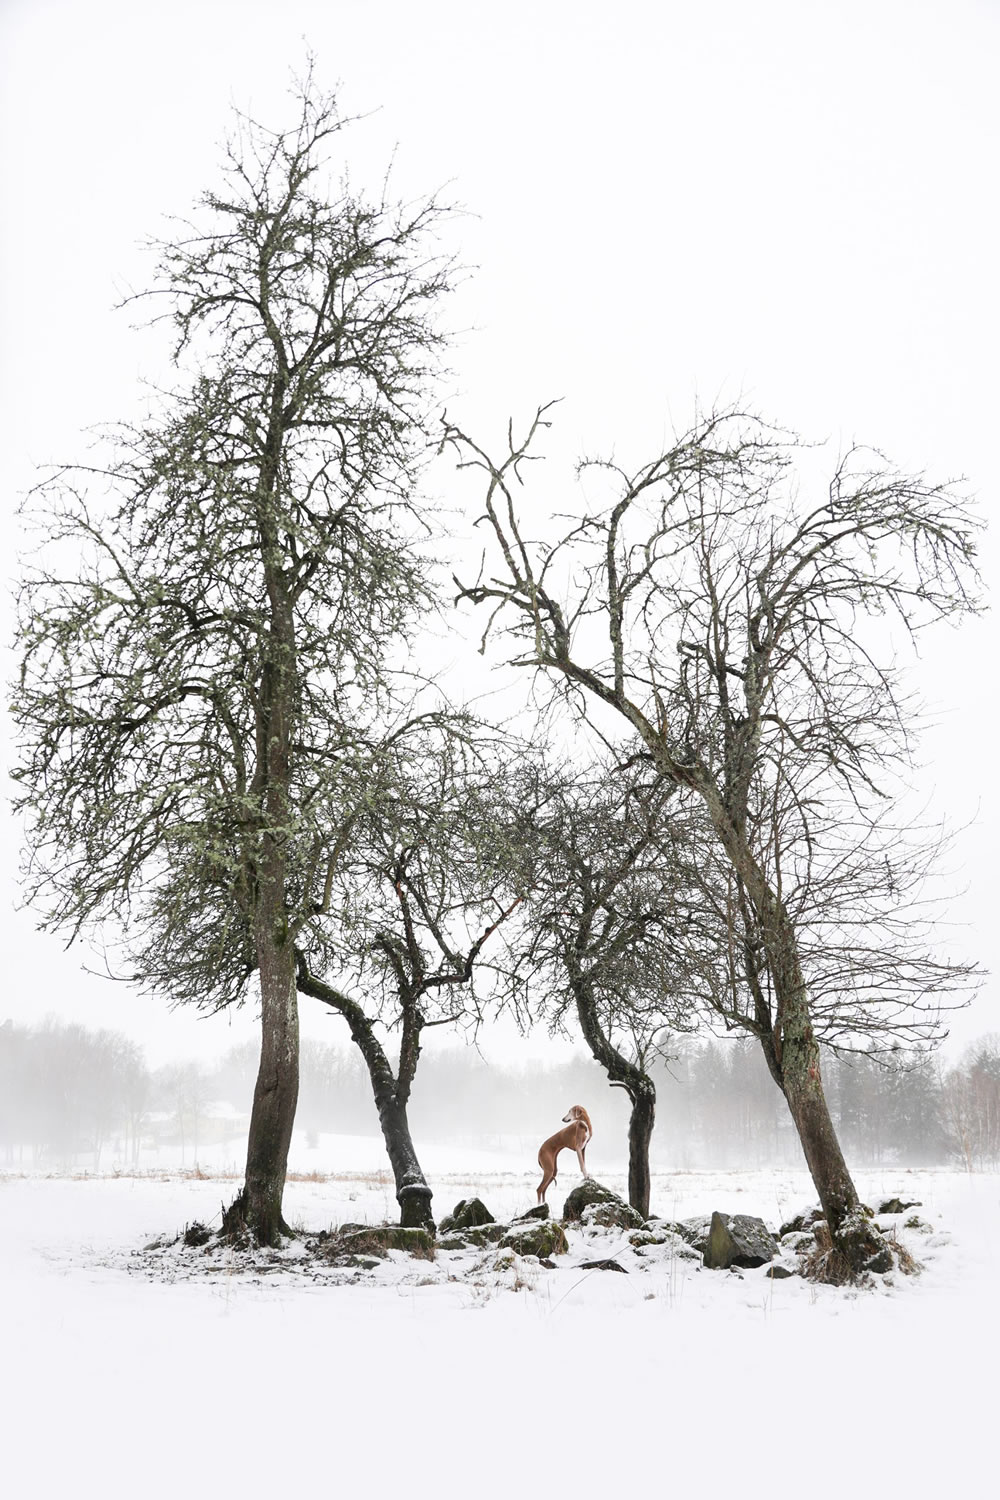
117	1384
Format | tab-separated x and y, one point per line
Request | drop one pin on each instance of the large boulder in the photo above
591	1203
738	1241
541	1237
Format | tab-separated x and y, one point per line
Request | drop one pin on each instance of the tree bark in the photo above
624	1074
412	1191
790	1047
802	1084
258	1208
640	1130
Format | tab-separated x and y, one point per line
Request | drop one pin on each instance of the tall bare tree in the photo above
200	689
747	633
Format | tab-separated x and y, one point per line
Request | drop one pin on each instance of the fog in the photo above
85	1100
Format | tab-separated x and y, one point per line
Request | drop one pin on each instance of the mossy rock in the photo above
485	1234
542	1238
643	1237
694	1232
801	1222
468	1213
380	1239
452	1242
798	1241
611	1216
860	1242
592	1203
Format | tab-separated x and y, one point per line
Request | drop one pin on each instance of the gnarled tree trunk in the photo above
622	1074
640	1131
257	1210
412	1191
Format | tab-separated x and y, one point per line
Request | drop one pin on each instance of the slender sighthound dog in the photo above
574	1138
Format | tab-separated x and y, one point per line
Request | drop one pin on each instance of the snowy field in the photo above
675	1380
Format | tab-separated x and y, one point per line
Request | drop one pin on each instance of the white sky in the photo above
791	203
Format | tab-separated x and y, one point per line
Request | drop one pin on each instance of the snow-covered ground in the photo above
676	1380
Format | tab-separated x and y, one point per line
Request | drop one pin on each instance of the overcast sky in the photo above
794	204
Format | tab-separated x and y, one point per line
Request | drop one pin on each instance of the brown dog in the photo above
575	1137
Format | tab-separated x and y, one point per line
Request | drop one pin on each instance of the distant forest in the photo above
70	1096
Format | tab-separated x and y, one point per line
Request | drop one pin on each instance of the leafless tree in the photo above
748	634
202	687
424	877
614	920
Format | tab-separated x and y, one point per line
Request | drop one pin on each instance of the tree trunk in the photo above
791	1049
257	1210
622	1074
640	1130
412	1192
853	1234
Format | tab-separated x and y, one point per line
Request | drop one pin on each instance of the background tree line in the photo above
73	1097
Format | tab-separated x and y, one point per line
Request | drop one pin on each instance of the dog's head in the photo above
576	1112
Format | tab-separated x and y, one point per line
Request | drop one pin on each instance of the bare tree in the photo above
411	907
747	635
198	691
613	925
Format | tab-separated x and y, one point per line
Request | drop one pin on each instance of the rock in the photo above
801	1222
592	1203
611	1216
897	1206
861	1243
468	1213
540	1211
549	1265
738	1241
379	1239
797	1240
779	1273
694	1232
643	1237
601	1265
484	1234
540	1238
452	1242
